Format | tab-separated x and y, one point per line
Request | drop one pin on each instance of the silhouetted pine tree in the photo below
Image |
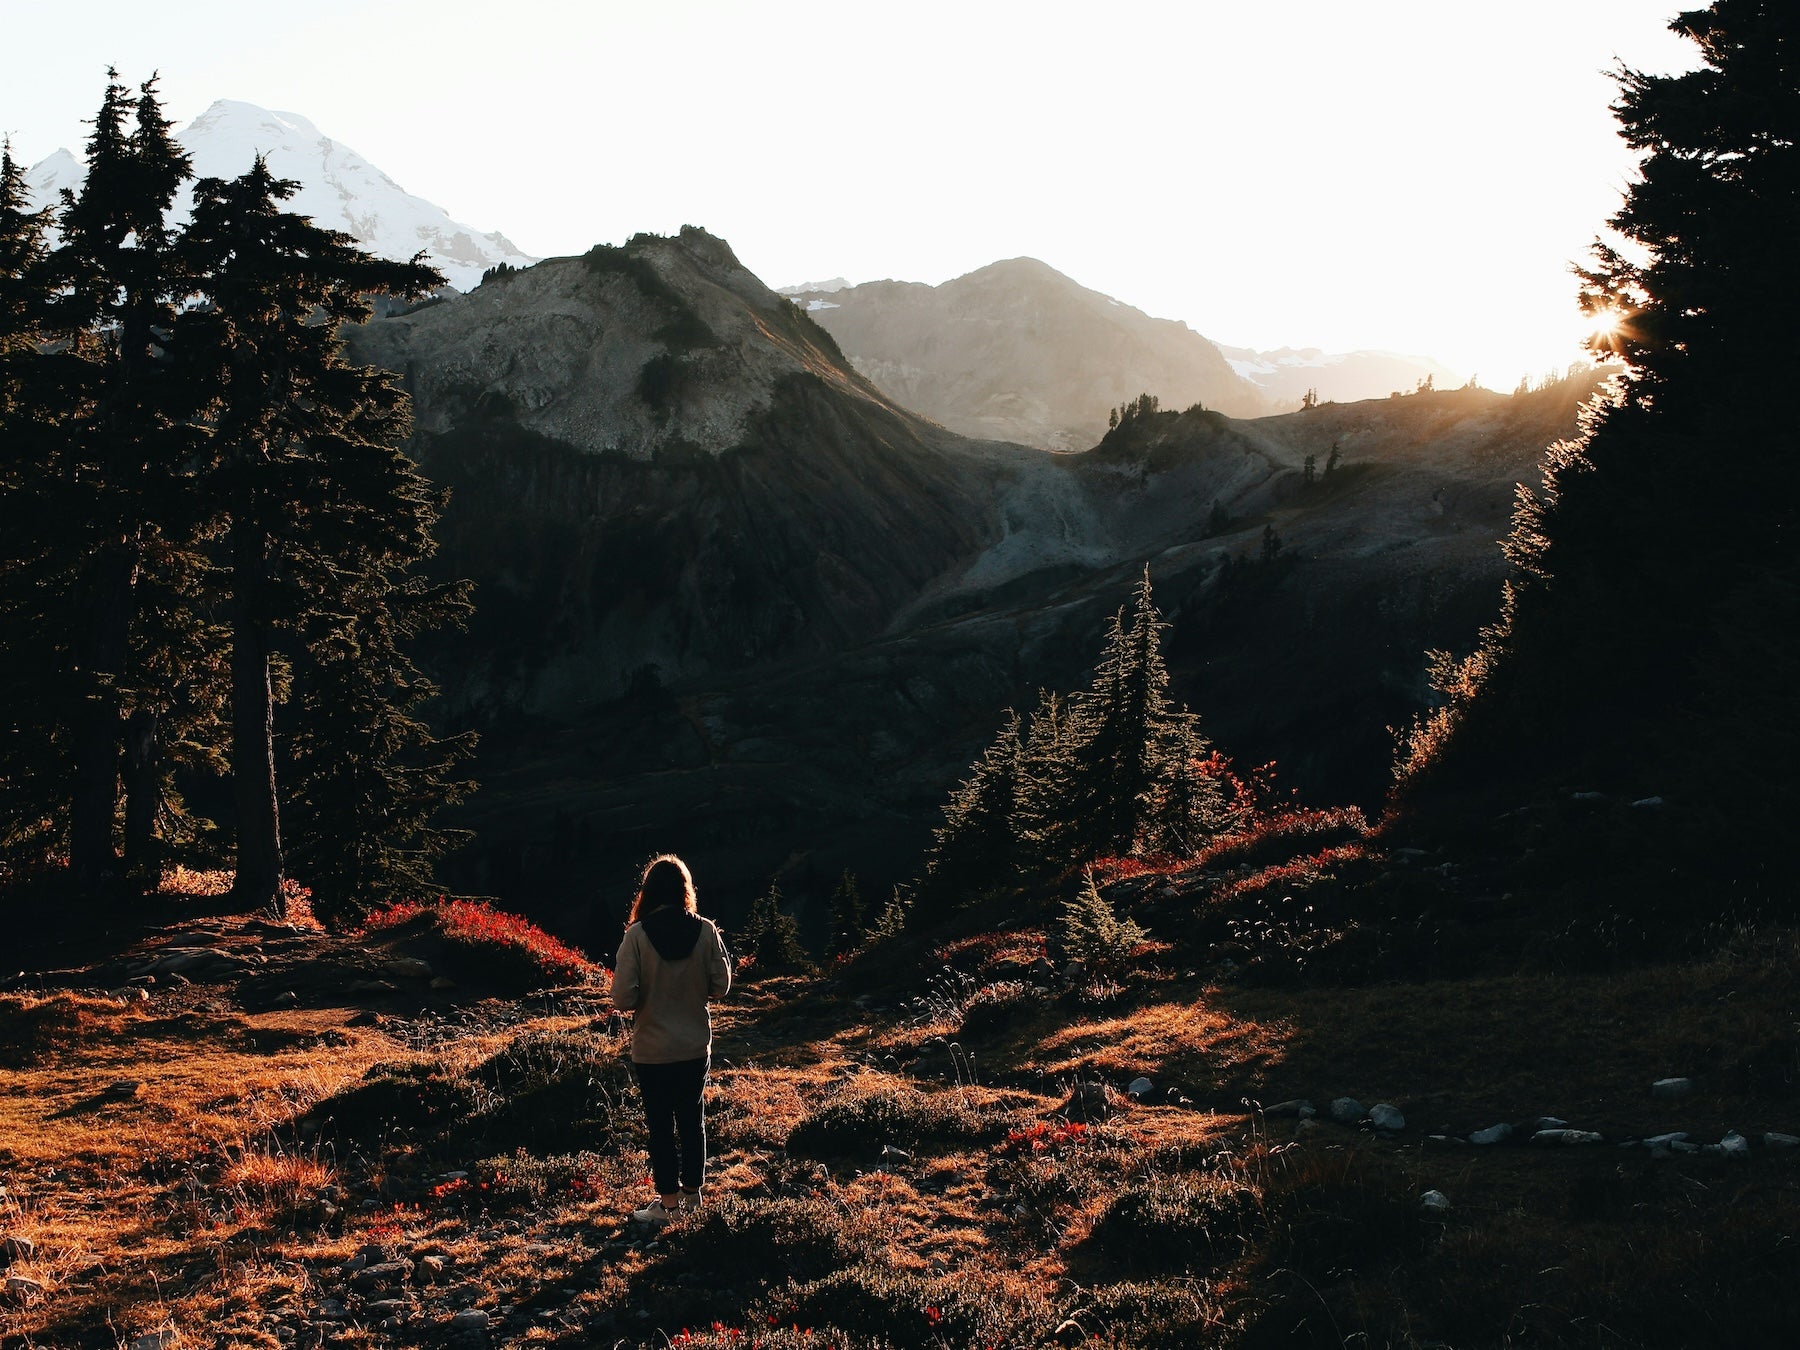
116	484
1189	805
1610	667
324	517
975	848
33	676
772	937
1123	723
1043	828
849	922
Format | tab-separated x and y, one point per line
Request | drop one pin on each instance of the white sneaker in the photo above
652	1214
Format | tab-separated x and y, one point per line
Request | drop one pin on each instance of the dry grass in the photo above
196	1204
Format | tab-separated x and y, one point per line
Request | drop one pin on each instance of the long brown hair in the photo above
666	881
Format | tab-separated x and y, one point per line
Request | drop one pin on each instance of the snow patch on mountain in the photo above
339	189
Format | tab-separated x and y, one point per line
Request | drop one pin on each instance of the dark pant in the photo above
672	1106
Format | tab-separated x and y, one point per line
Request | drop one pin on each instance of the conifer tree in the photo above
849	921
1608	666
771	935
33	762
1043	828
975	847
117	491
1124	721
323	518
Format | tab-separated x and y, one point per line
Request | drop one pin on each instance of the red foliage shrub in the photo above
1286	834
507	942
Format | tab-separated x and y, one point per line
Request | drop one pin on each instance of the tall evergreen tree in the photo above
1604	650
32	760
323	515
849	920
118	483
975	847
1126	722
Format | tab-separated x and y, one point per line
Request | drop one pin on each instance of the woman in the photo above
671	963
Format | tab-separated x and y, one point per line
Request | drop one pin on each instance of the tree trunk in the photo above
258	880
101	652
143	796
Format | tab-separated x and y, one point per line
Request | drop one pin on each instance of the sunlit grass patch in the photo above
1185	1039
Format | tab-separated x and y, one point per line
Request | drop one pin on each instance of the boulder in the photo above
407	968
156	1340
1493	1134
1346	1110
23	1289
1386	1117
1434	1202
15	1248
382	1275
471	1319
1671	1089
1561	1136
1298	1107
1775	1139
1140	1088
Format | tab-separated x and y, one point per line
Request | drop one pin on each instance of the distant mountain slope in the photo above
340	189
1017	351
1337	377
662	469
734	600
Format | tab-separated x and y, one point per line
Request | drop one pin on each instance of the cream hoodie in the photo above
668	998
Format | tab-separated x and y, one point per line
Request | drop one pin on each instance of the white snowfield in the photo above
339	189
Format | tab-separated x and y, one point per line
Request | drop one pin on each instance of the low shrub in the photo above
553	1092
904	1309
1169	1225
1286	834
418	1100
860	1124
488	945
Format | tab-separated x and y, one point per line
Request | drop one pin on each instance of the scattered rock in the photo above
1140	1088
124	1089
1386	1117
432	1266
470	1319
1775	1139
156	1340
1587	796
1735	1145
891	1154
408	968
385	1308
1306	1125
1648	801
15	1249
287	998
1670	1089
1683	1146
1298	1107
1074	971
23	1289
1346	1110
441	982
369	987
382	1275
1434	1202
1561	1135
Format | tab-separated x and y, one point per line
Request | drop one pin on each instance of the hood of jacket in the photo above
672	931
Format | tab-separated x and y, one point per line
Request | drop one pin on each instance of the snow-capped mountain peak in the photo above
339	188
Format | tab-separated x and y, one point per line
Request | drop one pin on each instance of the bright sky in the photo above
1409	176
